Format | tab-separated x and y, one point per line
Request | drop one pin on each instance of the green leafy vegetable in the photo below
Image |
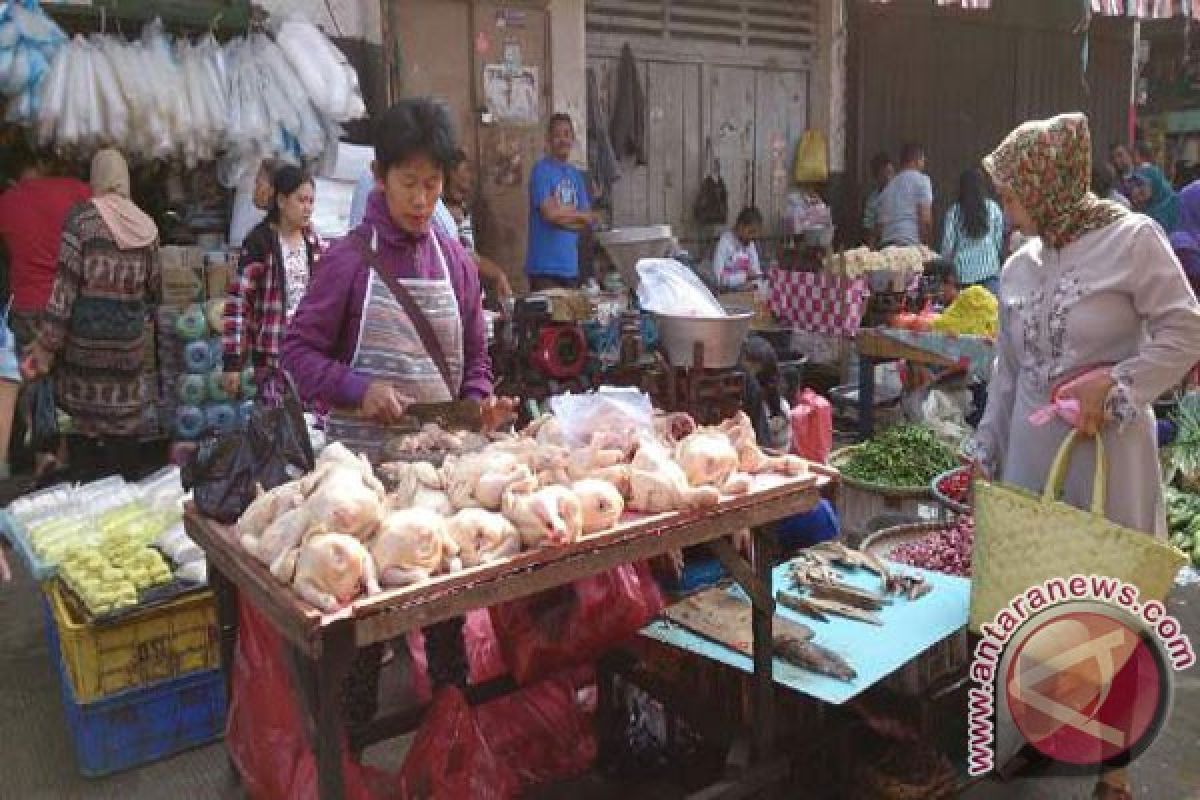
903	456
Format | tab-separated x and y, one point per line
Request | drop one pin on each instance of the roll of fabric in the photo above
197	358
192	323
245	409
216	392
249	385
221	418
192	389
216	352
215	311
190	422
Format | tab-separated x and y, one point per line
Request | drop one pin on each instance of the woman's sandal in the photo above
1112	790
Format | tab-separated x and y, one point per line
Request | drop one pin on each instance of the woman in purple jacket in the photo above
394	316
1186	238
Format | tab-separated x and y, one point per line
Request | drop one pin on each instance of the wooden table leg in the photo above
225	595
446	653
319	691
765	546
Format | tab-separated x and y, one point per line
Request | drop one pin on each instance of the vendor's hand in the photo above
1092	394
384	403
231	382
504	289
497	412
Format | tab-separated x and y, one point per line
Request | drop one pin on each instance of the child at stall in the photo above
735	262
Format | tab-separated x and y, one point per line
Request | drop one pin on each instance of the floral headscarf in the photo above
1048	165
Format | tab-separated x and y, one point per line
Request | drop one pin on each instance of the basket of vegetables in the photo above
952	489
1184	453
940	547
902	460
1183	521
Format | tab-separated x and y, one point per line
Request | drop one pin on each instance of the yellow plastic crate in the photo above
161	643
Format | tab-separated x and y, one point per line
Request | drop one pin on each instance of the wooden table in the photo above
875	348
323	646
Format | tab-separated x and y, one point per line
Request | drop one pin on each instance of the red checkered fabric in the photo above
818	303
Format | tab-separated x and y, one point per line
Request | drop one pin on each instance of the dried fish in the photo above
812	606
813	657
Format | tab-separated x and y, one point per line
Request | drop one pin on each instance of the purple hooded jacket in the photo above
323	333
1186	238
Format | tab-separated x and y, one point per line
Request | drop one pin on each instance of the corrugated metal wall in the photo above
958	82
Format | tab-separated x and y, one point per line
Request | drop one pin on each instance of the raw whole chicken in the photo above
483	536
658	484
412	546
281	536
343	502
329	570
546	430
338	453
586	462
753	460
417	485
543	517
266	507
708	458
479	480
673	427
601	503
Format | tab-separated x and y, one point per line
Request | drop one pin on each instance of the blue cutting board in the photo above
909	629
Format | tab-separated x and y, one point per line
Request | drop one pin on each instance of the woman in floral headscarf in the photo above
1096	292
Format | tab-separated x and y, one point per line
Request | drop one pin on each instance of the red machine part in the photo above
560	351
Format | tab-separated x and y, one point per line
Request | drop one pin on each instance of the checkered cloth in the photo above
817	302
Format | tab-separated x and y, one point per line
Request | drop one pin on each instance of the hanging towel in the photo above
602	161
628	129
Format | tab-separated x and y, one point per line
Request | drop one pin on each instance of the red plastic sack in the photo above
451	760
572	625
263	735
484	659
544	732
812	426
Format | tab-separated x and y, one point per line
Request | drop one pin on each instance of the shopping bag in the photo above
574	624
711	206
812	426
274	449
43	416
1023	540
812	158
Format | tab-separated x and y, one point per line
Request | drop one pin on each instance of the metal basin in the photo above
627	246
722	337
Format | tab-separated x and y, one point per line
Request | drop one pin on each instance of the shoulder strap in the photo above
423	327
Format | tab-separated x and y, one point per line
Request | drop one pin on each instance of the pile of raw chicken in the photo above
345	529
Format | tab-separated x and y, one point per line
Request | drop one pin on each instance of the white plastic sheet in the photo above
609	408
670	287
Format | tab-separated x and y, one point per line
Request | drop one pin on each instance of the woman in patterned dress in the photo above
1094	288
92	336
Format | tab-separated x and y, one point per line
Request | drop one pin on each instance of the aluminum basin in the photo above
722	337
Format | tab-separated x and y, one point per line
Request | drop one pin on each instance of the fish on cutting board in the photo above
813	657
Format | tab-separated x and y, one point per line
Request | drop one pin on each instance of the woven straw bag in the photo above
1022	540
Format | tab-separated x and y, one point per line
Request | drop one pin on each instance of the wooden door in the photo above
510	50
780	119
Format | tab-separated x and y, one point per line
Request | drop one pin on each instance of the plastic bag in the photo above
812	158
543	732
274	449
1066	408
575	624
669	287
264	737
812	426
485	662
607	409
450	759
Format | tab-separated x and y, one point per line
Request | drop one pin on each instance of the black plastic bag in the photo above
43	416
227	470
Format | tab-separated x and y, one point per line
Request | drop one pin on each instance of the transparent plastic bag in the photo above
670	287
607	409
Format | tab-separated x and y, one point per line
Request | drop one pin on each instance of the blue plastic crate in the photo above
140	726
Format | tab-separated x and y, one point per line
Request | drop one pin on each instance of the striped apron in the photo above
389	349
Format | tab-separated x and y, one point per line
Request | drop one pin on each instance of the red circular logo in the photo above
1085	686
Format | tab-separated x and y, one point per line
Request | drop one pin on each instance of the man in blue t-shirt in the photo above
558	211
